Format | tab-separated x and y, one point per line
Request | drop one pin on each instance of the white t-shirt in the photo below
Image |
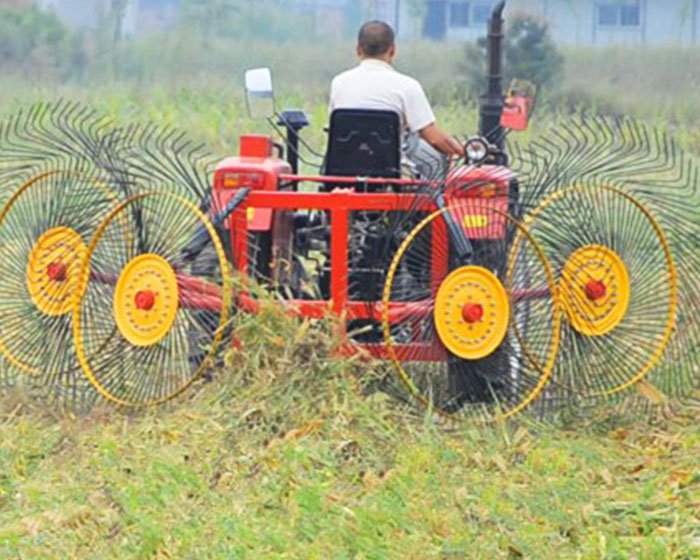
374	84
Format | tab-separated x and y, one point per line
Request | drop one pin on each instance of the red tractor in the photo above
421	271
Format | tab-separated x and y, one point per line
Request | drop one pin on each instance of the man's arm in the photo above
420	118
441	141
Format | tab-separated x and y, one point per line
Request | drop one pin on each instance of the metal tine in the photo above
637	154
650	164
49	133
34	136
566	148
185	156
597	153
152	153
635	149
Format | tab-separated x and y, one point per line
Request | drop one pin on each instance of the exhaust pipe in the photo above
492	102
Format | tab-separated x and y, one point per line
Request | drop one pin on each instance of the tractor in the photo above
417	268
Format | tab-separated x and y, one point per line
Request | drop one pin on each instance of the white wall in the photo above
575	22
572	22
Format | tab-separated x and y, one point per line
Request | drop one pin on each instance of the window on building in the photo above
459	14
629	16
617	14
607	14
482	13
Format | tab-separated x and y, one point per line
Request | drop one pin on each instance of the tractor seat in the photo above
364	143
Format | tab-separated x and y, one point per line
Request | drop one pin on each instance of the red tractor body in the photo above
477	197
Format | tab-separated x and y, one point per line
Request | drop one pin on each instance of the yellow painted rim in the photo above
665	337
602	266
472	286
146	274
82	292
546	368
57	247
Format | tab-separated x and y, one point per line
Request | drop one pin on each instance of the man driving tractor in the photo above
375	84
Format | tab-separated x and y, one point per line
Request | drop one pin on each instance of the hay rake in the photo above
542	276
632	181
64	170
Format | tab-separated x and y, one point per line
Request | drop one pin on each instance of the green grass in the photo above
287	454
178	81
214	114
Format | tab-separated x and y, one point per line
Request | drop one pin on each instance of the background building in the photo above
572	22
577	22
137	15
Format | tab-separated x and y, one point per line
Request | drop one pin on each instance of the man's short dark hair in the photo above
376	38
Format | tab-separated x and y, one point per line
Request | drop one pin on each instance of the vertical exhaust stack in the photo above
491	103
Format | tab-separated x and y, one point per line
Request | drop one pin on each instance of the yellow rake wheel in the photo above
155	310
450	326
43	229
617	284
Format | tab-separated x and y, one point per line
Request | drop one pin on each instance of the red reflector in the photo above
232	180
483	190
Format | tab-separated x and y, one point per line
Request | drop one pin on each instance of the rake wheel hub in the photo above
472	312
146	300
56	271
595	289
52	270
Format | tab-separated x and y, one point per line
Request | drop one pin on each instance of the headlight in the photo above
476	149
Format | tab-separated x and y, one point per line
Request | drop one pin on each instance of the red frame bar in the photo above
416	352
339	203
351	180
340	199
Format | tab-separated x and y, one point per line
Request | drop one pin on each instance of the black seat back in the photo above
364	143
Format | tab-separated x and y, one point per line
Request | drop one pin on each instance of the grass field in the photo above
200	89
289	454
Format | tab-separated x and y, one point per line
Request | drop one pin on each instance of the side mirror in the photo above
259	93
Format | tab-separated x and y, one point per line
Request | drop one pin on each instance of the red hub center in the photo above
145	300
595	290
472	312
57	271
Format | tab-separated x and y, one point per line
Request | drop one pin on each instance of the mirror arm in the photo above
293	122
